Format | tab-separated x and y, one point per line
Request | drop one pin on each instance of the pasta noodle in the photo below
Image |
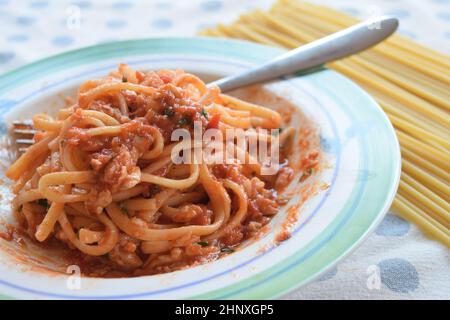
101	176
410	83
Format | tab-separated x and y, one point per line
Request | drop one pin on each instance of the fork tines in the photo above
23	123
23	133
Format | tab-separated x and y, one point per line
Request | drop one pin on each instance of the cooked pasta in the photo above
100	177
409	81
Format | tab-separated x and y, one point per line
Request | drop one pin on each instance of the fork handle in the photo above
333	47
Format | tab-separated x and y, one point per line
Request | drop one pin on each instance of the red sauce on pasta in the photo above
99	180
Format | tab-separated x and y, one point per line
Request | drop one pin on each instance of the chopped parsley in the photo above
124	208
169	112
184	121
226	250
44	203
307	174
205	114
276	132
153	190
203	243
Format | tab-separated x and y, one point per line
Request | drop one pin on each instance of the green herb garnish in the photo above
44	203
307	174
184	121
205	114
226	250
169	112
124	208
276	132
203	243
153	190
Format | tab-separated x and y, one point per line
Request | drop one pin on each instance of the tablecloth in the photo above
397	261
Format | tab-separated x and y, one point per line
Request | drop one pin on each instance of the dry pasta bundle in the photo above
409	81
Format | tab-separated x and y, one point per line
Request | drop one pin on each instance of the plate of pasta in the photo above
140	181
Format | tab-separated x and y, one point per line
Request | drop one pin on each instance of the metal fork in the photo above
23	134
330	48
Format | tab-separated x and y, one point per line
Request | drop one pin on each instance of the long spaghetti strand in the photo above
409	81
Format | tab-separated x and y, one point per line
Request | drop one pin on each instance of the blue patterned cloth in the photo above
397	261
